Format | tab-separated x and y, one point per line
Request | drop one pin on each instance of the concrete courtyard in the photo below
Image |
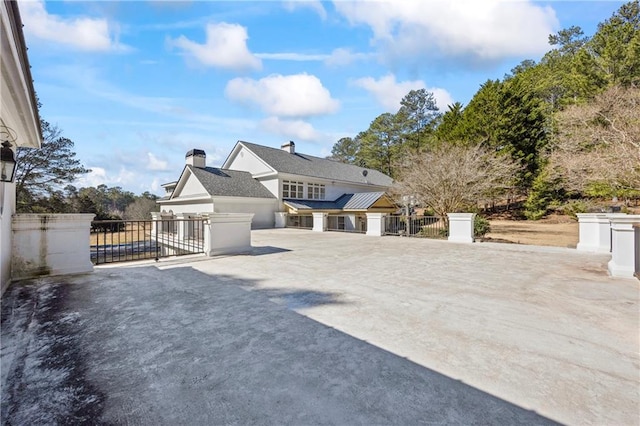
328	328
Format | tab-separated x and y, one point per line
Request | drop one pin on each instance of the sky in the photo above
136	84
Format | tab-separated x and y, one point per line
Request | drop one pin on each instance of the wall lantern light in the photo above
7	163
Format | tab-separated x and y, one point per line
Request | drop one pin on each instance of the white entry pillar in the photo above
624	246
375	224
461	227
594	232
281	220
227	233
319	222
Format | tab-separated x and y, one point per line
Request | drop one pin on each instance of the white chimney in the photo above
196	158
290	147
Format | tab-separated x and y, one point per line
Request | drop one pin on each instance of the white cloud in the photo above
155	163
483	30
95	177
291	129
389	92
342	57
297	95
298	57
225	47
314	5
90	34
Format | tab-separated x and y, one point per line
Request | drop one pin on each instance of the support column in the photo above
375	224
594	232
461	227
624	246
227	233
281	220
319	222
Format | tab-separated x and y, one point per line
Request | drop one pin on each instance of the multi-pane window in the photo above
315	191
292	189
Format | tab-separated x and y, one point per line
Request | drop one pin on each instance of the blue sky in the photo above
136	84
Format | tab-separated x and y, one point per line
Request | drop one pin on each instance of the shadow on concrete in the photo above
259	251
179	346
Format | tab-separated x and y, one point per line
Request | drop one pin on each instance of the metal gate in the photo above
125	240
416	226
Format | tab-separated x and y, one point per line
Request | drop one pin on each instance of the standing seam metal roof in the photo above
308	165
357	201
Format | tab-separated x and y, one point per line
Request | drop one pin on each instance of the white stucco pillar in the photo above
281	219
637	237
375	224
50	244
350	222
624	246
461	227
594	232
156	224
227	233
319	222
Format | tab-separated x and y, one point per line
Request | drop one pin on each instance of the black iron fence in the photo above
300	221
347	223
125	240
416	226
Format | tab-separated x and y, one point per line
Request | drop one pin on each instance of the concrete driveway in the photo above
328	328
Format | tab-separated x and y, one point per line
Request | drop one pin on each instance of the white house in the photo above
264	181
19	119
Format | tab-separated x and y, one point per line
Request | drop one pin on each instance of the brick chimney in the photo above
290	147
196	158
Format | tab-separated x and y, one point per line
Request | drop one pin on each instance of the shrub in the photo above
481	226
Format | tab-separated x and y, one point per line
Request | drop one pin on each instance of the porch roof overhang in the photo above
357	203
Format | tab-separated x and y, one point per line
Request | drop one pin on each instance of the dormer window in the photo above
292	189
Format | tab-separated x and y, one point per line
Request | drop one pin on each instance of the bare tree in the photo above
140	209
449	178
599	142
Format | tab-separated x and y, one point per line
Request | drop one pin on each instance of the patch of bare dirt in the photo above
558	231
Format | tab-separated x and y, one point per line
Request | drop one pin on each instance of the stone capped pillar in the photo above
319	222
461	227
624	246
375	224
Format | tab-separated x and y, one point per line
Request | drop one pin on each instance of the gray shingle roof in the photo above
230	183
358	201
308	165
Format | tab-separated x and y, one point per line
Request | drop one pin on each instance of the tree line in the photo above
561	129
41	174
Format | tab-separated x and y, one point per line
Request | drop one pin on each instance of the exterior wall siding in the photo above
264	211
246	161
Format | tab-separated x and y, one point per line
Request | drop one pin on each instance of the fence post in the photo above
461	227
375	224
624	246
281	219
227	233
319	222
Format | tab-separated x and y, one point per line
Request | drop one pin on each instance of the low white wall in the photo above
50	244
461	227
227	233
